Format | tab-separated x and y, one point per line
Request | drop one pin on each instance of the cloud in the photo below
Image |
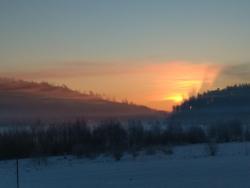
233	74
70	70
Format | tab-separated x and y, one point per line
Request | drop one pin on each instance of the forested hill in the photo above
232	102
23	100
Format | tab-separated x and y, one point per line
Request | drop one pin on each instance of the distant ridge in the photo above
232	102
23	100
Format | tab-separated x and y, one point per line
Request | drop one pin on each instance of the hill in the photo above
232	102
22	100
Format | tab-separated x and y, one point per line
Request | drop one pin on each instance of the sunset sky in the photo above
151	52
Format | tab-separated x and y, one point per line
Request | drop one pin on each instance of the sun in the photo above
175	98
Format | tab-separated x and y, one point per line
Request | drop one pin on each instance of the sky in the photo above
151	52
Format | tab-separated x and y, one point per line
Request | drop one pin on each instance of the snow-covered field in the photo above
188	167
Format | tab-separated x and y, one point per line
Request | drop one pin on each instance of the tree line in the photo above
110	137
236	96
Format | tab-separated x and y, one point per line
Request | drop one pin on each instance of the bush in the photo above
226	131
195	135
168	150
150	151
212	148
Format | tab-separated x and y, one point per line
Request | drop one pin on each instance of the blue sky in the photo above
46	31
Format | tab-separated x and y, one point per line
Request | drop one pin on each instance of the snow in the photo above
189	166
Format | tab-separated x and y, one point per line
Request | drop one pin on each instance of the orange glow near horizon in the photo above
176	81
156	85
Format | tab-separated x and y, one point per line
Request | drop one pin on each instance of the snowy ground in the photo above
189	166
